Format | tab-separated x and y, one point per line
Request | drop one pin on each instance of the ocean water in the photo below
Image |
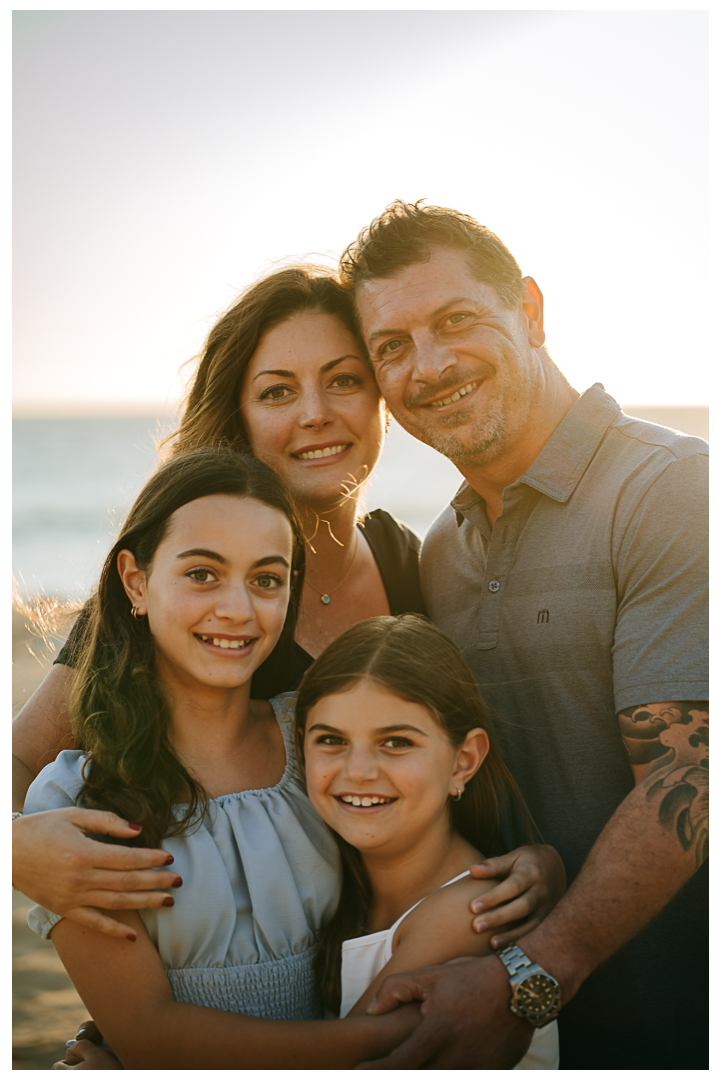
74	480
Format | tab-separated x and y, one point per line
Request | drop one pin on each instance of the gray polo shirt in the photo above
587	597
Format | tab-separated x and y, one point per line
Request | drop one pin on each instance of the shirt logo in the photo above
543	616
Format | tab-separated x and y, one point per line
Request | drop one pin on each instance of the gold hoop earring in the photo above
136	615
457	796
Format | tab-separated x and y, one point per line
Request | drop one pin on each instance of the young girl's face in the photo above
380	769
217	592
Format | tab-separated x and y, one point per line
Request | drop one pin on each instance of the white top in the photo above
363	958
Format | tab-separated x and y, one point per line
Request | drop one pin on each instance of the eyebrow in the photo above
206	553
434	315
380	731
285	374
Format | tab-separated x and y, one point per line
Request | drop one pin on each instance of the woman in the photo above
283	373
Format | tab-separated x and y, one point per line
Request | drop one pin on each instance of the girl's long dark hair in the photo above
119	712
417	662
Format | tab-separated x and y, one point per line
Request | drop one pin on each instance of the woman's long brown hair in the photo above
212	409
119	712
417	662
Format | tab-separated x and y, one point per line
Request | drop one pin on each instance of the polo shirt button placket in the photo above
493	586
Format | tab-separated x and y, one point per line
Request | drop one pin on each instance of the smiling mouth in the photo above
365	800
226	643
454	397
326	451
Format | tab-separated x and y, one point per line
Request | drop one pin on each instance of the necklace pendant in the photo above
325	598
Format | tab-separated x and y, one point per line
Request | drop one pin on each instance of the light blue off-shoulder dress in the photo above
260	876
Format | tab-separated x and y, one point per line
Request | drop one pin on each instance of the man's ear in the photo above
134	580
532	305
470	757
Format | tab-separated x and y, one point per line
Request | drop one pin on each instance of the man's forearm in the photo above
650	847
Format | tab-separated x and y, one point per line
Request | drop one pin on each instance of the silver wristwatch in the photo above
535	994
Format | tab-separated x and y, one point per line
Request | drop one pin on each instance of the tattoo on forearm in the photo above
669	742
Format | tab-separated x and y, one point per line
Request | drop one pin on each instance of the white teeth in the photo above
456	396
365	800
225	643
327	452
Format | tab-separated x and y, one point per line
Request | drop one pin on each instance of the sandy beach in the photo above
46	1008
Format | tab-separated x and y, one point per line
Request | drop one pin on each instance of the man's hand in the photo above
534	881
58	866
467	1023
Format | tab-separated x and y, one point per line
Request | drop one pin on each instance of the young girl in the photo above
398	762
199	591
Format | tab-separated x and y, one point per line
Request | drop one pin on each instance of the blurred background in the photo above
165	159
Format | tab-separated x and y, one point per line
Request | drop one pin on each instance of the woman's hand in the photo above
85	1051
532	882
58	866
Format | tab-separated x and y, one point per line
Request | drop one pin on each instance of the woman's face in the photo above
380	769
217	592
312	409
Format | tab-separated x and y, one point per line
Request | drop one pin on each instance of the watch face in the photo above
539	994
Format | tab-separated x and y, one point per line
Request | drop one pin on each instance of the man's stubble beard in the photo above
489	437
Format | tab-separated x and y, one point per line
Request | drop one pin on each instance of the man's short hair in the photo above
408	233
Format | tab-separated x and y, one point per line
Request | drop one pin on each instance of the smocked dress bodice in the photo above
260	876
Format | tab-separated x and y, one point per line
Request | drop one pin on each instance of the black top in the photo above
396	550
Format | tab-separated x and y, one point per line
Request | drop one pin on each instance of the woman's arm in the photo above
54	863
433	933
41	730
127	992
529	883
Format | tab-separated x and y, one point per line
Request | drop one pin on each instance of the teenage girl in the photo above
393	735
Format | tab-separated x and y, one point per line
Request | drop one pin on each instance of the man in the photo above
570	569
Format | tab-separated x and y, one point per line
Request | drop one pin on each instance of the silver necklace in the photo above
325	596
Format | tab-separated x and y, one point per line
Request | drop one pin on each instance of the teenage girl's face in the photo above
217	592
380	769
311	407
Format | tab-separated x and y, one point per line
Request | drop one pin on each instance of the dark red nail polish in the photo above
170	859
131	936
168	901
177	882
134	825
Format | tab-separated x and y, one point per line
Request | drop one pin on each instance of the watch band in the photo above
521	968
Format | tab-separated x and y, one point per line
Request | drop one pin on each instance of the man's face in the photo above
457	368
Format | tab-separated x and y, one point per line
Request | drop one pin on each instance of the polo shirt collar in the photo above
559	466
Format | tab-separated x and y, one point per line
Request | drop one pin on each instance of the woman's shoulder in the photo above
396	550
58	784
381	525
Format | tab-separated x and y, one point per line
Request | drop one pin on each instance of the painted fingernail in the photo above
168	901
134	825
132	936
82	1034
70	1042
169	859
177	882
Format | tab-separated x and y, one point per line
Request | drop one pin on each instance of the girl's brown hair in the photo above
119	712
417	662
212	409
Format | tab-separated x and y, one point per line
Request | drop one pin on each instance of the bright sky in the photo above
164	159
